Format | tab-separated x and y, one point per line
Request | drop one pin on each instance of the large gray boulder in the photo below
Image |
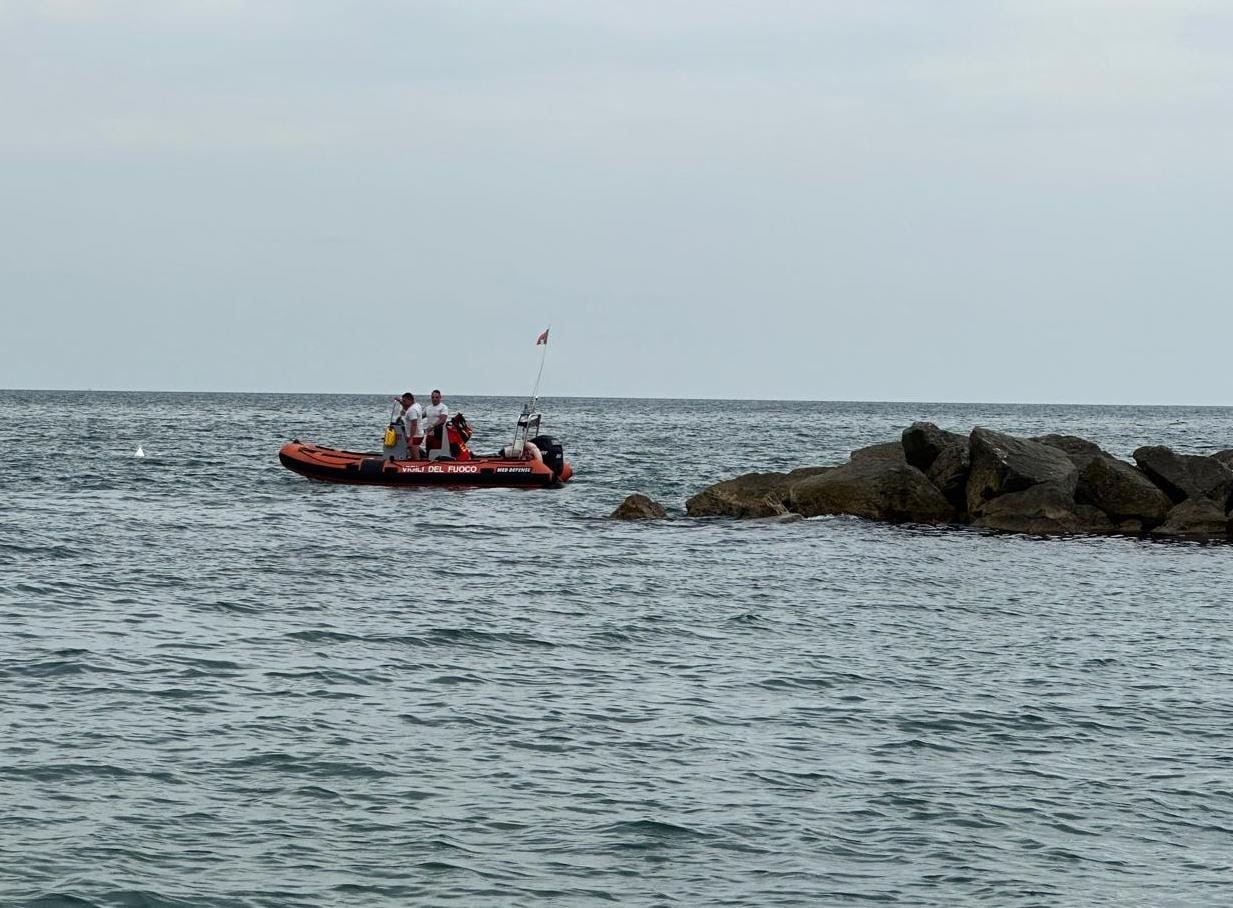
1080	451
923	442
1184	476
749	496
1195	518
1122	492
949	472
639	507
1225	457
943	457
890	451
780	519
1003	464
880	488
1045	509
805	472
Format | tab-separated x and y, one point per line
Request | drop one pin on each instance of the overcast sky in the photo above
1027	200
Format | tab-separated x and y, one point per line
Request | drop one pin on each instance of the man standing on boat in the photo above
436	414
396	435
413	420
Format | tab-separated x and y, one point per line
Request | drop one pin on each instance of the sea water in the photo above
224	684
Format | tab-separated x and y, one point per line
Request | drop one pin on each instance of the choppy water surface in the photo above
223	684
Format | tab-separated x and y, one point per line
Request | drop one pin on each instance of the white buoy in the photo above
140	453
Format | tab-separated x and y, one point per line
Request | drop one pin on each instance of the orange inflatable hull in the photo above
332	465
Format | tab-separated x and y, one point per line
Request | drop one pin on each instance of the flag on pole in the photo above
542	339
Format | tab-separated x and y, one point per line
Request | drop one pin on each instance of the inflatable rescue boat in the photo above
333	465
531	461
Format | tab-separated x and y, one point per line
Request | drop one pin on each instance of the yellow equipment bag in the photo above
391	437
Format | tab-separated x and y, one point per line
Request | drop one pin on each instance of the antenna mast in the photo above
528	421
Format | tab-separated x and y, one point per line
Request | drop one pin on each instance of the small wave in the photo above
485	638
316	792
612	636
653	830
795	683
62	900
443	867
307	766
322	636
54	668
63	772
234	608
329	676
433	637
53	551
748	618
136	898
177	693
916	744
212	665
456	679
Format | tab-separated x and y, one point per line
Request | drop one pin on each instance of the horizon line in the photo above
796	400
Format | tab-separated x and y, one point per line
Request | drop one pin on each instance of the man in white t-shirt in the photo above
413	420
436	414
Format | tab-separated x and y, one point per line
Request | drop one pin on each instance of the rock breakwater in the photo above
1046	485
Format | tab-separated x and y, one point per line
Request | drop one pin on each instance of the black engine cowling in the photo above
553	453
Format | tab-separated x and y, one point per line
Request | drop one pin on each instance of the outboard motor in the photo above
553	453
